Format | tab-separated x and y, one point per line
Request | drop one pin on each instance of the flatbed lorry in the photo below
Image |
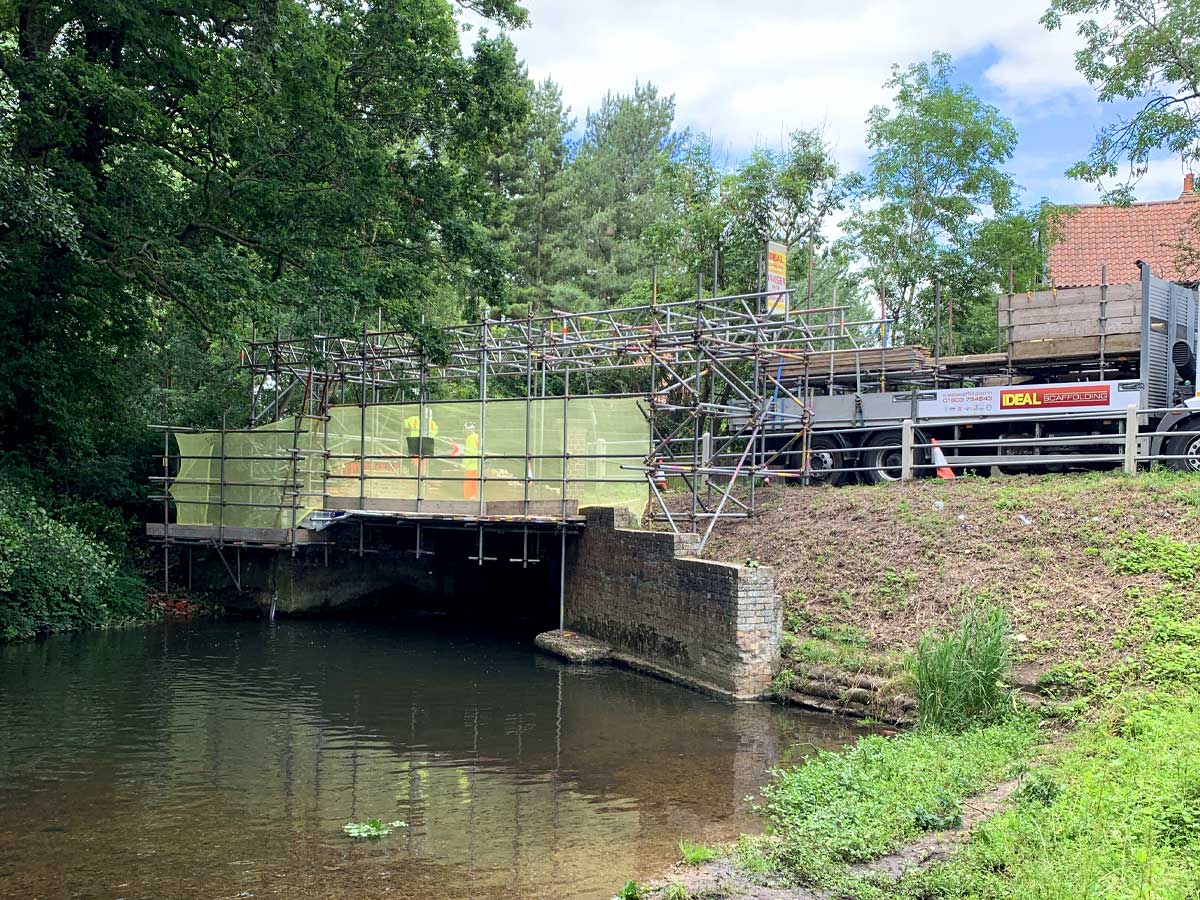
1072	365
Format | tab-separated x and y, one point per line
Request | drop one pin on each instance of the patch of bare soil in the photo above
889	562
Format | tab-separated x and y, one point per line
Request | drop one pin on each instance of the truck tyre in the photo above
827	460
1185	445
881	457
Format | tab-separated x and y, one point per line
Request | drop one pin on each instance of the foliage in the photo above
1067	677
372	829
1147	51
171	173
631	891
1118	815
1145	552
611	200
727	216
539	196
54	576
675	891
941	813
694	853
936	161
960	675
840	808
1165	629
1039	786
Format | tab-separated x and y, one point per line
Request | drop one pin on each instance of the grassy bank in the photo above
1062	555
1087	787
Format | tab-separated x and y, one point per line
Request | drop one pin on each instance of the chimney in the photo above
1189	183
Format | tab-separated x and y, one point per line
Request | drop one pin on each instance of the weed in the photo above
961	675
942	813
784	681
372	829
696	853
1166	625
631	891
752	855
1067	678
675	891
840	808
1117	815
1039	787
1147	553
896	586
847	635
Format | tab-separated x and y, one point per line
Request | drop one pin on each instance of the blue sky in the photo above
749	71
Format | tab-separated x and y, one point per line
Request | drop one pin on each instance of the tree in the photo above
203	165
785	196
935	169
996	253
1147	51
540	195
611	196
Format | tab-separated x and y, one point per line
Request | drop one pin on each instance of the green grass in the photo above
1144	553
694	854
1120	818
961	674
840	808
1110	809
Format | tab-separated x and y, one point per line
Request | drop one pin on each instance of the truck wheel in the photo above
826	460
1187	447
881	457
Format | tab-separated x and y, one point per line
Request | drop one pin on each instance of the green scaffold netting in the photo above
336	463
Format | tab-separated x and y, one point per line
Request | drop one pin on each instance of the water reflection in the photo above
222	760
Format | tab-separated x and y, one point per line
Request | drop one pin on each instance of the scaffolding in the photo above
663	408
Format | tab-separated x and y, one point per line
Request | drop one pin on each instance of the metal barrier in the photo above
1127	440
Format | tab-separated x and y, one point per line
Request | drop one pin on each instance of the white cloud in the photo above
751	72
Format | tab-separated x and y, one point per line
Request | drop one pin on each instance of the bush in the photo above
961	675
54	576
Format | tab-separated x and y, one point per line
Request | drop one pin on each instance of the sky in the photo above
748	72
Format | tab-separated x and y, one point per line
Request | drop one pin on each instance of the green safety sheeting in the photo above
276	475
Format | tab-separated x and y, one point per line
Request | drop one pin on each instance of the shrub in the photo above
54	576
961	674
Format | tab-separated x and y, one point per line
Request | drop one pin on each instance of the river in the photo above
221	760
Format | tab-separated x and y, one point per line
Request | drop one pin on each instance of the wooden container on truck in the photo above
1071	323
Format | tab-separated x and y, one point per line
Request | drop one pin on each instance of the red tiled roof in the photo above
1119	236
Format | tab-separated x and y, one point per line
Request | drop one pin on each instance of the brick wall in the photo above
713	624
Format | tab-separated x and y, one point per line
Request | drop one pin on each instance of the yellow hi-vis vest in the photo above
470	460
412	427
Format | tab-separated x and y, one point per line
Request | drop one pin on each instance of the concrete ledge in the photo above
580	649
574	647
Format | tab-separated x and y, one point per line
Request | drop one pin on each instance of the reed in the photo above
962	674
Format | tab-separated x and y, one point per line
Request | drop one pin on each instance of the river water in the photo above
221	760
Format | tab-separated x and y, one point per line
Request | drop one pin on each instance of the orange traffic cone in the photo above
939	460
660	477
